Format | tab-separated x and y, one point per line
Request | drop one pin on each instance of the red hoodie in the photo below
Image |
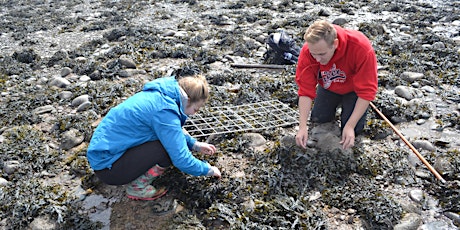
352	68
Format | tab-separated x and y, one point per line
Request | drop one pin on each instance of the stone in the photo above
3	181
10	167
424	144
44	109
128	63
410	221
80	100
43	223
71	138
254	139
417	195
84	106
411	76
437	225
59	82
65	71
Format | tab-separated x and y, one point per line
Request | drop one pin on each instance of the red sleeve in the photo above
306	74
366	79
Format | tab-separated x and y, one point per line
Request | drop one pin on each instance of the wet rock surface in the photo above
64	64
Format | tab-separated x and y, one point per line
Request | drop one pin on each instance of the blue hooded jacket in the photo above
155	113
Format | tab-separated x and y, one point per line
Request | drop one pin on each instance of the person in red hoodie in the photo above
336	66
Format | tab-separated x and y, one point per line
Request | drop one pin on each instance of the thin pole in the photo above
409	144
256	66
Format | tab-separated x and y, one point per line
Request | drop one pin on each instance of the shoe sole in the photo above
160	193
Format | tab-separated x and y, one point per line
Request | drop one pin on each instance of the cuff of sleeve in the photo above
210	172
196	147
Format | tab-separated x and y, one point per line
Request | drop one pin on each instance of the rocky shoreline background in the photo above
64	64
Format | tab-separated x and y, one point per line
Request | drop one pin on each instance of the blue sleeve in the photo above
190	141
169	131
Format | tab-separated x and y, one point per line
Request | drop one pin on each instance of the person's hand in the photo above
204	148
348	137
216	172
301	138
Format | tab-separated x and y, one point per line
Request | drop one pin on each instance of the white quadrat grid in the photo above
248	117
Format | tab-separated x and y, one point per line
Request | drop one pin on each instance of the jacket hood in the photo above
169	87
342	47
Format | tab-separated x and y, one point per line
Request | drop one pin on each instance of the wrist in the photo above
210	172
196	146
303	128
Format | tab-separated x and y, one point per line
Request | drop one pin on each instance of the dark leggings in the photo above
135	162
325	107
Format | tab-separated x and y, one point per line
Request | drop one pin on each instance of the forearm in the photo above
304	110
360	108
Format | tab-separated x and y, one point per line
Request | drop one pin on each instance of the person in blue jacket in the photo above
139	138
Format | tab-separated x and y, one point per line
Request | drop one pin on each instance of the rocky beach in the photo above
65	64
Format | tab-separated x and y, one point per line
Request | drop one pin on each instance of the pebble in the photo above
340	21
288	141
425	115
125	73
84	78
81	59
43	223
70	139
437	225
65	71
408	93
423	174
428	89
417	195
316	195
84	106
3	181
254	139
421	121
128	63
443	165
453	216
65	94
44	109
59	82
80	100
351	211
439	46
409	221
410	206
249	205
168	33
424	144
11	166
411	76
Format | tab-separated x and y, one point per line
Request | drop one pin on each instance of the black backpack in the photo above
281	49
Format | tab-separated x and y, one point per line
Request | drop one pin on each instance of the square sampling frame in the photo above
247	117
